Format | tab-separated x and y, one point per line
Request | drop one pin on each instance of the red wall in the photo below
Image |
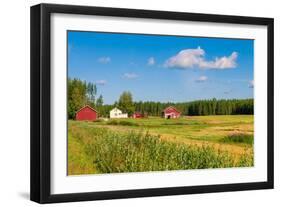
86	114
171	110
137	115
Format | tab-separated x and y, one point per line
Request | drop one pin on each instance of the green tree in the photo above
91	93
125	102
79	93
76	96
99	101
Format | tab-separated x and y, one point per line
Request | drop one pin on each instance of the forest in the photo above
81	93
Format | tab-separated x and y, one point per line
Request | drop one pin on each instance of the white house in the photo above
117	113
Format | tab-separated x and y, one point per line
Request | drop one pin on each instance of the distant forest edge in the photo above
81	93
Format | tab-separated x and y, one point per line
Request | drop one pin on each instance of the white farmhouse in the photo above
117	113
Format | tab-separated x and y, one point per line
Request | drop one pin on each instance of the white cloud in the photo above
251	84
104	60
222	62
151	61
190	58
130	75
201	79
101	82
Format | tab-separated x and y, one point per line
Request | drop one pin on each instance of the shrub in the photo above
239	138
122	123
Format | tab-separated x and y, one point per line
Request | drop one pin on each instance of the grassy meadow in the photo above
157	144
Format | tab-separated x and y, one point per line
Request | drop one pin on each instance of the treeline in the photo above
194	108
220	107
81	93
200	107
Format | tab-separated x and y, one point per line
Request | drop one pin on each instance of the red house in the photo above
137	115
171	113
86	113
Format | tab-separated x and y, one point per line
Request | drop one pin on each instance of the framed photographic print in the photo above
133	103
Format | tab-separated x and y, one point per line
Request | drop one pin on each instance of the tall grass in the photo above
111	152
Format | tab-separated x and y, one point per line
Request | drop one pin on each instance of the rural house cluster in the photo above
87	113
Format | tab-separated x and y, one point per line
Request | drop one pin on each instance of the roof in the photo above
171	107
87	106
115	108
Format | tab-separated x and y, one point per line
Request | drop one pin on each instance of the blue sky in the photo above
162	68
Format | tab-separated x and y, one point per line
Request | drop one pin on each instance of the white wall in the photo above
14	90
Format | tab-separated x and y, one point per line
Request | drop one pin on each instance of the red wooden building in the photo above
171	113
137	115
86	113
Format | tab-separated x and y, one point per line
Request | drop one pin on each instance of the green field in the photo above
156	144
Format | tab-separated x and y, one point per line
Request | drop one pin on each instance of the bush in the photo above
99	120
239	138
122	123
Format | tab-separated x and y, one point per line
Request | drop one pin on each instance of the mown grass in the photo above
99	150
207	128
78	160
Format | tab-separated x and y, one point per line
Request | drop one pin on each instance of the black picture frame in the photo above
41	96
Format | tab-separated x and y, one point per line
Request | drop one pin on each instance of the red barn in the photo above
171	113
137	115
86	113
